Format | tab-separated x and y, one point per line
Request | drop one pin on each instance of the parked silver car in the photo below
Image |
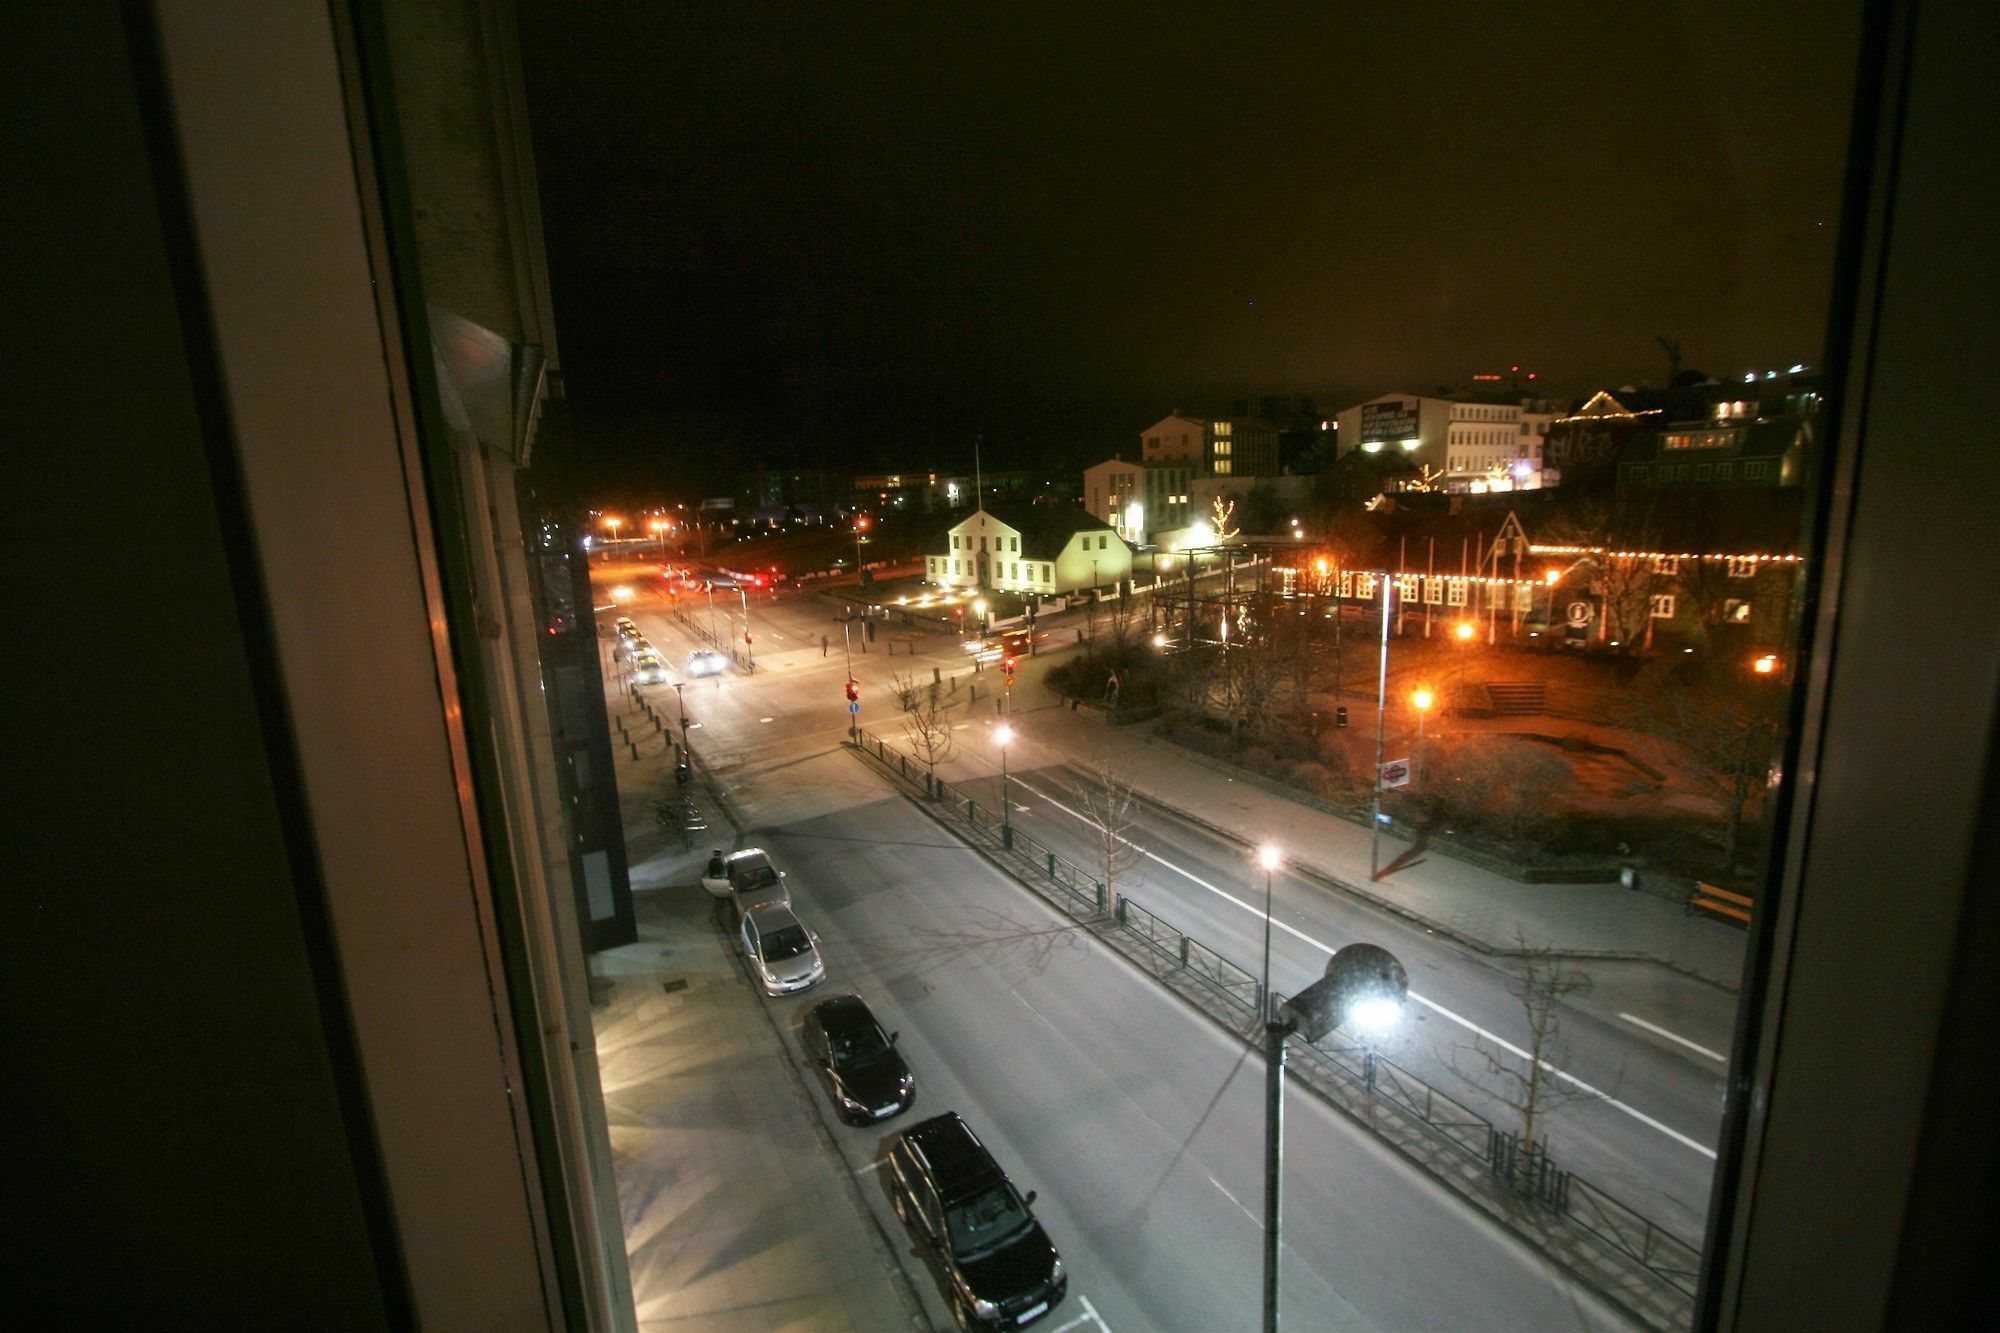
783	954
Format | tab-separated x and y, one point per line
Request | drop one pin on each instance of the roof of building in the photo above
1180	466
1044	529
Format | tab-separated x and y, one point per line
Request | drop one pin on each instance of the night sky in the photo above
863	235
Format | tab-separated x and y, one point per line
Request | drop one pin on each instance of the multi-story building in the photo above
910	492
1464	443
1239	447
1139	499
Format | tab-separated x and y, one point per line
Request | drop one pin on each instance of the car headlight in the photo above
906	1082
849	1104
1056	1270
985	1309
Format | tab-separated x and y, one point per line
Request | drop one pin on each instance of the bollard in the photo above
1120	909
937	673
634	747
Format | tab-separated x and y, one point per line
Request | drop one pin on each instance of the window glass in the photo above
1529	666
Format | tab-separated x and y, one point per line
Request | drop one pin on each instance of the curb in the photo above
1472	942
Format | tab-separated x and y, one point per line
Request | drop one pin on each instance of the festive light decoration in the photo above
1666	555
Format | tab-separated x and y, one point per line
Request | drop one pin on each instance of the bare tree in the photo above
1246	676
1624	582
927	727
1123	618
1729	724
1529	1084
1108	798
905	687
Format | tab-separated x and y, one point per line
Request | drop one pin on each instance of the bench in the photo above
1719	902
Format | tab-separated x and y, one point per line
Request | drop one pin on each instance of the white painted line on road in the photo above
1432	1005
1238	1202
1675	1036
1089	1316
763	719
875	1165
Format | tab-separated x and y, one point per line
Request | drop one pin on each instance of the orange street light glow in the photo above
1465	629
1765	665
1423	699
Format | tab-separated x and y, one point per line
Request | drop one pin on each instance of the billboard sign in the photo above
1396	773
1390	422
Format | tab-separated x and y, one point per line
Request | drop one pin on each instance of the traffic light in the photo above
853	690
1007	664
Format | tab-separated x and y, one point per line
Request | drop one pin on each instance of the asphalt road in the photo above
1080	1062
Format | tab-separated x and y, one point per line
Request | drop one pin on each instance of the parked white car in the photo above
783	954
748	876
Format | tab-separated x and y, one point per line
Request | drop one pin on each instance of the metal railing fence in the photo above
1352	1075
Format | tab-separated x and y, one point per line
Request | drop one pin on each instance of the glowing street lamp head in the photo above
1423	699
1269	857
1004	734
1464	629
1320	566
1552	577
1765	665
1374	1015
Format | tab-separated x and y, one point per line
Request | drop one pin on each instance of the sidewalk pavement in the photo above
740	1215
1481	908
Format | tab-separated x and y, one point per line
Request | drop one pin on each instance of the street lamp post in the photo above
860	526
1004	734
1381	731
1268	857
1423	699
681	699
1364	983
749	652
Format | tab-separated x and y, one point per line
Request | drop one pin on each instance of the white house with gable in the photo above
1030	549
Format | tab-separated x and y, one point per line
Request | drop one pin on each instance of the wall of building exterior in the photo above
1174	440
1092	559
1433	430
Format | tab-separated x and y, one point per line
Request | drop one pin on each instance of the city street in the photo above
965	962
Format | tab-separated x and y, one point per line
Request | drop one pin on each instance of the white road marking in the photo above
875	1165
1432	1005
1675	1036
1089	1316
1238	1202
763	719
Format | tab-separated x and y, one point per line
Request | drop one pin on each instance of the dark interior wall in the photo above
183	1129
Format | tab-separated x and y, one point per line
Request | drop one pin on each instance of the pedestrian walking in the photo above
824	644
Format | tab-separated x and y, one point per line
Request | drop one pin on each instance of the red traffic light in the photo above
1007	665
853	690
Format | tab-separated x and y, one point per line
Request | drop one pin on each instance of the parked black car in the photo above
863	1072
998	1266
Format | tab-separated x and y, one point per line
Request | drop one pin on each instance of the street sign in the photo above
854	707
1396	773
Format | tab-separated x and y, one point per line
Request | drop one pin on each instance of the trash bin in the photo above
1628	877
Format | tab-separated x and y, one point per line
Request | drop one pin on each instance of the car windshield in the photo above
785	942
859	1047
989	1218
